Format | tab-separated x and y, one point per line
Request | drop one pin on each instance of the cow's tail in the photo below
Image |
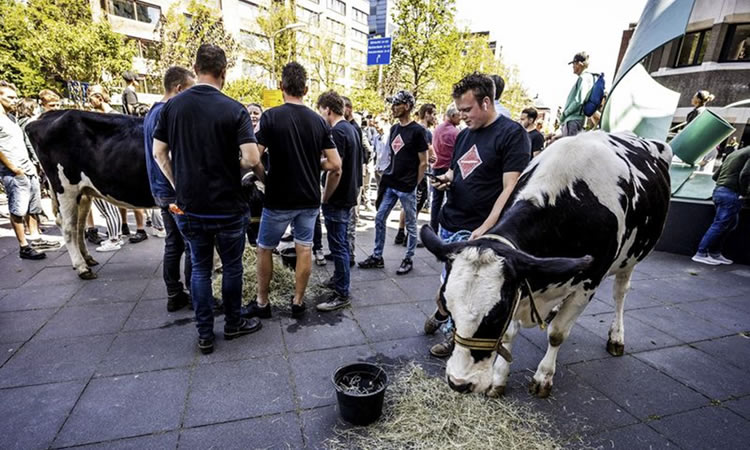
55	204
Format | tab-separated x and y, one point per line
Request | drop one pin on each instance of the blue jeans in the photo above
174	247
728	205
24	195
438	197
409	204
273	223
228	235
337	222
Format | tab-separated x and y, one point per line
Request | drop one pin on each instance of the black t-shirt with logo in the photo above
537	141
294	137
480	159
406	143
204	129
347	143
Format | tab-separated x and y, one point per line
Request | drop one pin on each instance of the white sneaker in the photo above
320	259
109	246
721	259
160	233
705	259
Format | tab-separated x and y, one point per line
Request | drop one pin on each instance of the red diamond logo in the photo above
397	144
470	161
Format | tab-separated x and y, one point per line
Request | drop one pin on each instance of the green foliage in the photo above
180	36
367	100
46	42
245	90
271	20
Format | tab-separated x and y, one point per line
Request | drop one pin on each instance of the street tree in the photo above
277	44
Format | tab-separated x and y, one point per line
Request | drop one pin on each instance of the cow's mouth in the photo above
461	388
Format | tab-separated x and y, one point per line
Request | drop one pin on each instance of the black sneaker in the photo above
372	263
298	310
29	253
333	302
351	261
328	284
246	326
125	230
400	237
139	236
253	310
206	346
92	235
177	302
406	266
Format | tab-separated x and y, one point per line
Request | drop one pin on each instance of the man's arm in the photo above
422	166
161	155
250	159
509	182
745	179
16	170
331	163
445	181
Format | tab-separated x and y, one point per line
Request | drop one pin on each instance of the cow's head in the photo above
480	289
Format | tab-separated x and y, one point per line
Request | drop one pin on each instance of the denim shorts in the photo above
273	223
24	196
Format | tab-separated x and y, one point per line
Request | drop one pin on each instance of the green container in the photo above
700	136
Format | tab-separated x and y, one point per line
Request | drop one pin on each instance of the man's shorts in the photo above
24	196
273	223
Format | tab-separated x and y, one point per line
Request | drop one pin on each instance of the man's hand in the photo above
18	172
444	181
431	158
479	232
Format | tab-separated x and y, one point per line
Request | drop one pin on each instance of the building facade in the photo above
381	18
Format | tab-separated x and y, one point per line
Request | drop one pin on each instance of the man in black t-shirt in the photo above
296	138
338	202
203	130
488	158
408	149
365	151
528	122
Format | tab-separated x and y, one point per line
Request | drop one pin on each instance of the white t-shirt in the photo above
13	146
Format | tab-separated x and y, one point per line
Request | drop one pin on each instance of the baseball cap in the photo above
402	97
580	57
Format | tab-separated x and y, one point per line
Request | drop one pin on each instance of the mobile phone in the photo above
432	176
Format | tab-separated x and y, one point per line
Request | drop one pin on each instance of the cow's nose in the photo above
459	387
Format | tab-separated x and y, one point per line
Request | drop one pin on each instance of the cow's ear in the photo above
436	246
527	265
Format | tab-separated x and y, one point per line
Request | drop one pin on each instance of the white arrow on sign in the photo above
377	58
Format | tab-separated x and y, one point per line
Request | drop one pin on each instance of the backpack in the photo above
594	99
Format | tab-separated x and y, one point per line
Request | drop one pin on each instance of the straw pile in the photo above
282	282
422	412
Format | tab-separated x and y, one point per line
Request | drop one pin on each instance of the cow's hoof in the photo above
90	261
87	275
539	390
615	348
496	392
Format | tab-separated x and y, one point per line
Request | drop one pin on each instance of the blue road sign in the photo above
378	51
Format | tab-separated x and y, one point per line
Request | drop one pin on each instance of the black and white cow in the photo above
86	155
588	207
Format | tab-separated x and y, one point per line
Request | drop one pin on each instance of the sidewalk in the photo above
102	362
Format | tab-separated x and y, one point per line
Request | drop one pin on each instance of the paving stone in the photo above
150	252
266	342
708	286
160	441
699	371
87	320
640	294
7	350
634	437
358	275
582	345
674	321
142	351
721	314
712	428
597	307
280	431
19	326
149	314
318	330
676	290
388	322
126	406
734	350
128	271
108	291
381	292
638	335
46	361
638	388
313	370
33	414
318	425
100	257
56	276
740	406
238	390
38	297
15	271
419	288
395	355
156	289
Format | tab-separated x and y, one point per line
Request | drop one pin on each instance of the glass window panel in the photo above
737	44
122	8
147	13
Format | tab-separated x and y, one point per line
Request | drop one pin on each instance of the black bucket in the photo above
360	389
289	257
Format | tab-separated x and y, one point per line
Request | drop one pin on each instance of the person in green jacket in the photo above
572	118
732	181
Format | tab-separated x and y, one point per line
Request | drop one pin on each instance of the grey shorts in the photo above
572	127
24	196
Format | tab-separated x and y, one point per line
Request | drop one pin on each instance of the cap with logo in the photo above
402	98
580	57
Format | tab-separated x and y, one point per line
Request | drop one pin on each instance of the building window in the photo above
338	6
692	48
737	43
135	10
360	16
359	57
145	49
336	27
253	41
359	36
307	16
251	7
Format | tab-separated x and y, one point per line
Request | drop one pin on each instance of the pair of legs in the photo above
24	201
227	235
174	247
409	205
422	197
728	205
273	223
337	223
